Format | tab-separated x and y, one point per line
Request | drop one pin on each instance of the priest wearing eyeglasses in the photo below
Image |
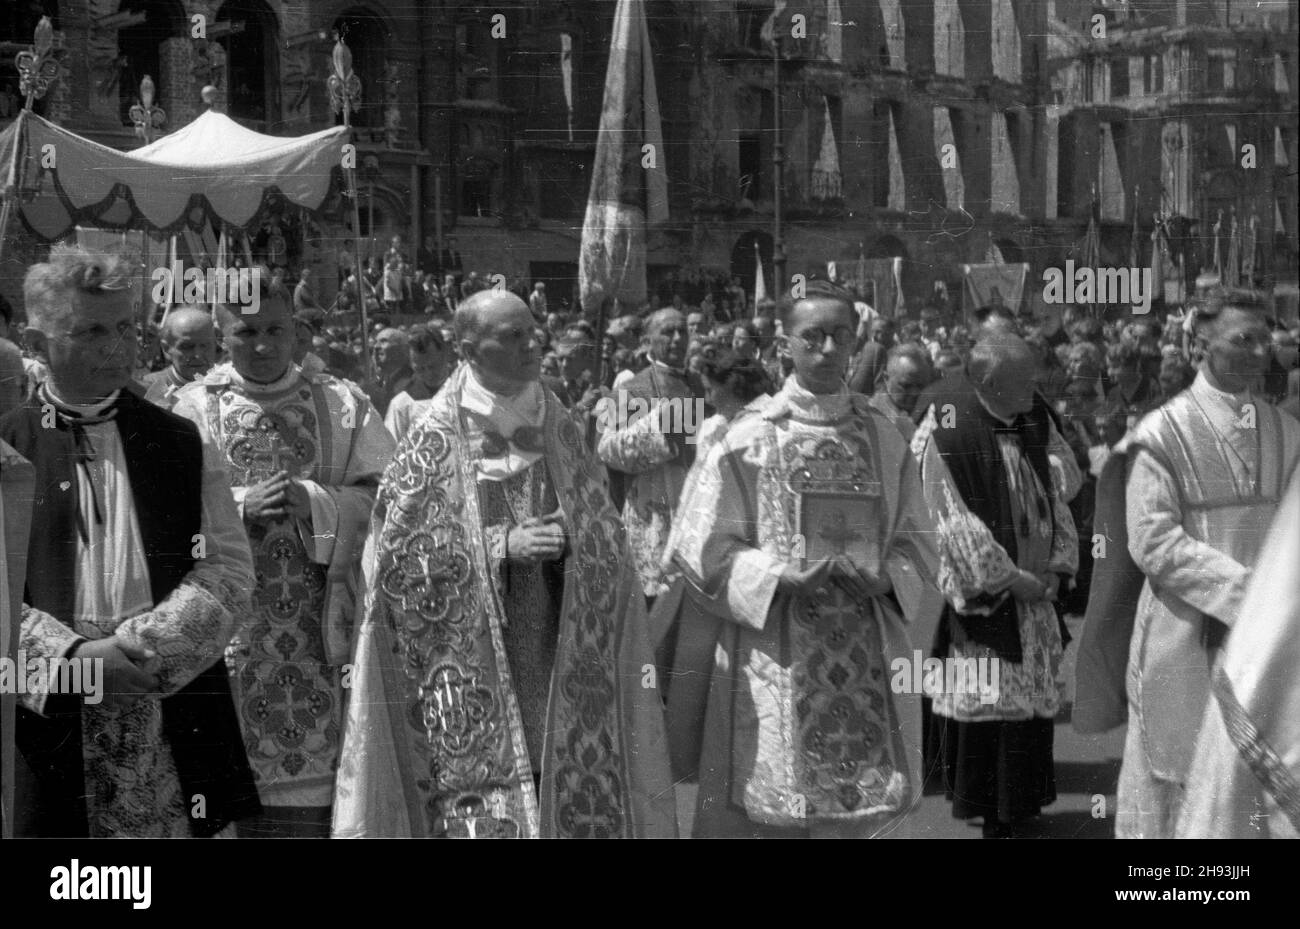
1199	479
810	540
504	684
137	561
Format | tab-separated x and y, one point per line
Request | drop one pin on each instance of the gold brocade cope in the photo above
437	615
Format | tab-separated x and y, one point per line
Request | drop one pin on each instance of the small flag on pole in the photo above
566	77
1249	251
1135	237
629	187
774	25
826	177
993	254
1232	267
1157	258
1218	248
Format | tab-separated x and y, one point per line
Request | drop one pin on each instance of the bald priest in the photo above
503	682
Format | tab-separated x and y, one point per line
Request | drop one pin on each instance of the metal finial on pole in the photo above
37	68
145	115
345	95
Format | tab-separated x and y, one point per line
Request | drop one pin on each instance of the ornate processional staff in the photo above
345	94
37	69
147	117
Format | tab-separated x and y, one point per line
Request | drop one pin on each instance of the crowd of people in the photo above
513	576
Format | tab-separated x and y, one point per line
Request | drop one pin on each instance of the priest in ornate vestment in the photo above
1007	544
808	536
653	463
684	634
305	452
504	683
135	558
1205	473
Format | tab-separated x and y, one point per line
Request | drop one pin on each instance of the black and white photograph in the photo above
717	419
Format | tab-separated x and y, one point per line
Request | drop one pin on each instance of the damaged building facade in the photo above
939	133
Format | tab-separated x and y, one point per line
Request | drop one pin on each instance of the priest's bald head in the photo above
189	341
495	331
669	336
1003	369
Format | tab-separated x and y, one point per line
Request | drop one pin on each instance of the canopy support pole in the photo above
13	182
361	297
146	302
345	92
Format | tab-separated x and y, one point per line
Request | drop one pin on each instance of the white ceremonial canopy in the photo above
213	164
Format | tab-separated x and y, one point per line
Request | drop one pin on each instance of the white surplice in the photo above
131	781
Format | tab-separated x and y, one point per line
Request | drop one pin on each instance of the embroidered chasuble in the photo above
476	679
286	656
802	732
531	595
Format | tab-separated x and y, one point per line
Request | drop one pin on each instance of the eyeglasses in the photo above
1249	340
813	339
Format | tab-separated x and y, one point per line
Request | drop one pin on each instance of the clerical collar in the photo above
525	406
504	433
795	400
175	377
680	372
274	387
92	411
1208	392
